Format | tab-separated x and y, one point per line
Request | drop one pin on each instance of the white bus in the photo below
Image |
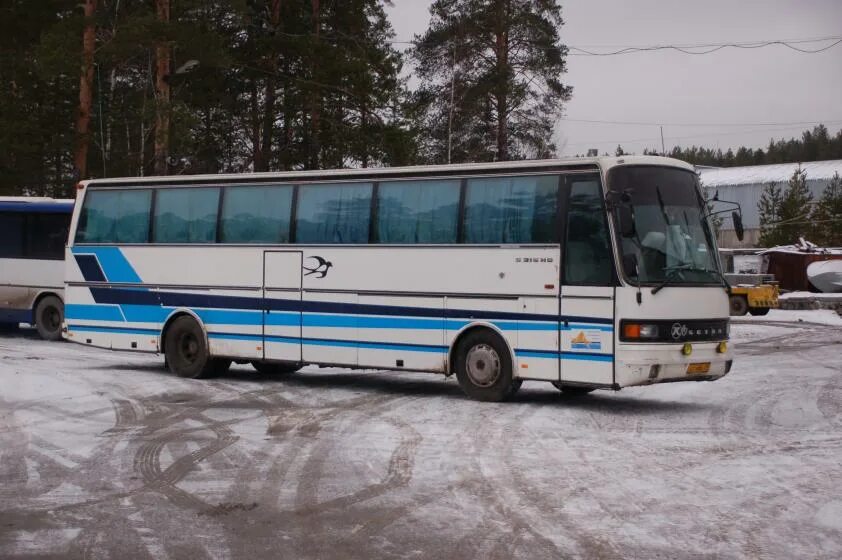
33	233
587	273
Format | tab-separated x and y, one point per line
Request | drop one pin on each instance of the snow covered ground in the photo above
108	455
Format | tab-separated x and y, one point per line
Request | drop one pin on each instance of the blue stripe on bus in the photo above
565	355
33	207
116	330
113	262
84	312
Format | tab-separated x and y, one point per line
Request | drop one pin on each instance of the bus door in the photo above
282	305
587	293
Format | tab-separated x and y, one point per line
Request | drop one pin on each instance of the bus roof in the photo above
590	163
35	204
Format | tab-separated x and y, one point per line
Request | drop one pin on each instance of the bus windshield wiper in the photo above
672	271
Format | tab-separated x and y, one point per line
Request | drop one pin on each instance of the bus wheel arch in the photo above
184	342
48	315
483	362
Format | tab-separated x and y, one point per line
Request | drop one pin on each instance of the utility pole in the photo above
663	149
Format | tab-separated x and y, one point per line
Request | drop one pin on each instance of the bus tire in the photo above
739	305
572	390
49	315
758	310
276	368
484	367
186	349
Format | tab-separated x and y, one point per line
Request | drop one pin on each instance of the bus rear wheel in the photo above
186	351
49	314
484	367
276	368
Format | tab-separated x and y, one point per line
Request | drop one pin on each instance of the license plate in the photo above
702	367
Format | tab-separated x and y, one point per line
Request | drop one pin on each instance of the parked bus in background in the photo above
587	273
33	234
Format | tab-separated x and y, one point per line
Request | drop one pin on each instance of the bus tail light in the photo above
639	331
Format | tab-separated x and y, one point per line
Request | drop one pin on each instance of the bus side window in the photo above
333	213
587	258
417	211
11	235
256	214
47	235
115	216
186	215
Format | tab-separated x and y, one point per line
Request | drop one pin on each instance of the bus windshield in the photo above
671	242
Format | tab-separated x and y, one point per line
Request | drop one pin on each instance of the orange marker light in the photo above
631	330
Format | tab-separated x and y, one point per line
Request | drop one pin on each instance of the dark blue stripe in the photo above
27	207
91	271
15	316
175	299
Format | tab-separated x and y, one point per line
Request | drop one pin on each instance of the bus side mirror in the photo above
738	225
625	219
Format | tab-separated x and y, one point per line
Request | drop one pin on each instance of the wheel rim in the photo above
188	348
483	365
51	319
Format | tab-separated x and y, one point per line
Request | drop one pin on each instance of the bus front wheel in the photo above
186	350
484	367
49	314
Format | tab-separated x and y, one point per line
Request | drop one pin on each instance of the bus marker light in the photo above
549	286
631	330
687	349
524	366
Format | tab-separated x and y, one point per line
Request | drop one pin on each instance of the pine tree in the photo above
490	73
769	208
795	208
827	215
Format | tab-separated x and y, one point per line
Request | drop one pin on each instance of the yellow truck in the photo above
756	299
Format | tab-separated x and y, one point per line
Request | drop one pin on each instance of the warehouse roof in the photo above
776	173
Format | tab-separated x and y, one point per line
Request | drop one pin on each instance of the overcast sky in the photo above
772	84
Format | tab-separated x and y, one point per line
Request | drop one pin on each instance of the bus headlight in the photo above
722	347
687	349
640	331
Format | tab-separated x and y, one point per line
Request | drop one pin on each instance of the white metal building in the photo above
745	185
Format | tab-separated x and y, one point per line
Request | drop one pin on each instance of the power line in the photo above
714	47
652	123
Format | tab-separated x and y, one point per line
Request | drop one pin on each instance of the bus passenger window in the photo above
256	214
11	235
333	213
417	211
587	258
512	210
47	235
115	216
186	215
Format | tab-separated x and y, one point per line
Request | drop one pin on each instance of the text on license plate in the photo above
701	367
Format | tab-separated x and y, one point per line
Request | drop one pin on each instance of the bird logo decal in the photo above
320	269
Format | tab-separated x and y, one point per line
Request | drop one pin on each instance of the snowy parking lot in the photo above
107	455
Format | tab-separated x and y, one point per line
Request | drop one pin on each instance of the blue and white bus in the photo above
33	234
587	273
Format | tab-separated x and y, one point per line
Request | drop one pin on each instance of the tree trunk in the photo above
269	95
86	81
315	103
501	95
162	94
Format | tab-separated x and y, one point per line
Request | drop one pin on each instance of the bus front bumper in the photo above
646	364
